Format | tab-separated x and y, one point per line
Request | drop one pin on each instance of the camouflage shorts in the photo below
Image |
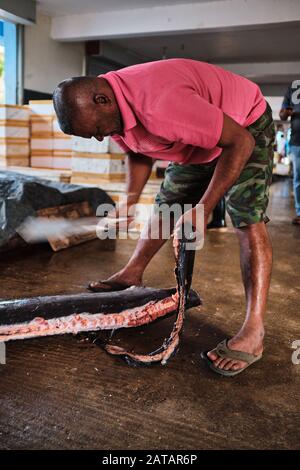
247	199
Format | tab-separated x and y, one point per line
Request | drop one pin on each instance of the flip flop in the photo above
224	351
106	286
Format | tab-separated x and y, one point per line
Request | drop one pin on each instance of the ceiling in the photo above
278	43
73	7
275	43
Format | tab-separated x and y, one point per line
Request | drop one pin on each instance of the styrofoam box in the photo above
21	132
64	143
14	161
61	163
14	149
41	161
41	125
56	128
113	147
39	143
14	112
79	144
97	165
42	107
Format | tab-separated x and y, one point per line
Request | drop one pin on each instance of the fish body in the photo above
53	315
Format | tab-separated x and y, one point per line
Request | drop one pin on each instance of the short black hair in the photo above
64	103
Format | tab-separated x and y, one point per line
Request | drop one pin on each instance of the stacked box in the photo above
81	145
14	135
92	163
113	147
92	168
50	147
41	122
62	148
153	174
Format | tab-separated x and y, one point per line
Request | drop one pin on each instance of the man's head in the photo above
87	107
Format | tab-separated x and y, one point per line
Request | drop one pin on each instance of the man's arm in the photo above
139	169
238	145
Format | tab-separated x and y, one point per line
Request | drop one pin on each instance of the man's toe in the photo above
238	365
99	284
218	361
223	363
229	365
212	355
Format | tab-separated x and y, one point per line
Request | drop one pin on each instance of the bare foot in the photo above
119	279
251	342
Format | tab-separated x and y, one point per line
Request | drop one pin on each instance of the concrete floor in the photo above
66	393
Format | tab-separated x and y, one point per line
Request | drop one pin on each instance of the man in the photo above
291	108
217	130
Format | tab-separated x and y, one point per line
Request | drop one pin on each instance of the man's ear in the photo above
101	99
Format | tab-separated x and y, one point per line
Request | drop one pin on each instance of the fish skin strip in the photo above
183	274
82	322
165	352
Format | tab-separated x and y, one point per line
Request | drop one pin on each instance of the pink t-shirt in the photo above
173	109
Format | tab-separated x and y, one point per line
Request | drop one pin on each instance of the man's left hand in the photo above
195	218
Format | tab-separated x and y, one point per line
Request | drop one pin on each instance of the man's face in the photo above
98	119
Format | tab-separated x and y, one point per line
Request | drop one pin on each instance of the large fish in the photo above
132	307
53	315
